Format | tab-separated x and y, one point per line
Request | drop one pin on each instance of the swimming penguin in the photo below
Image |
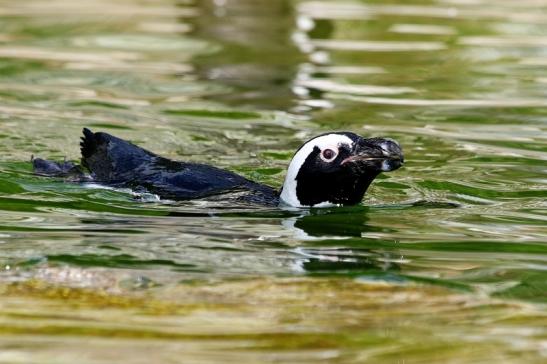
331	169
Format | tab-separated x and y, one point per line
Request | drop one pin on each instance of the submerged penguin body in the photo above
312	179
116	162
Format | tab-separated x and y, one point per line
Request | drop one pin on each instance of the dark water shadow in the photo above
335	243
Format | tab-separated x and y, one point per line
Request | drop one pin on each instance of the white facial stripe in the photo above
288	194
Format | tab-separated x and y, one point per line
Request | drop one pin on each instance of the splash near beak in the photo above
380	154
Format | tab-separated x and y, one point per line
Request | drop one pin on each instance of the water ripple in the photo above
377	46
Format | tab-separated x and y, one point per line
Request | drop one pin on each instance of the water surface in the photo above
445	260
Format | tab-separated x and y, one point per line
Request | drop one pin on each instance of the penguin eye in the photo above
328	155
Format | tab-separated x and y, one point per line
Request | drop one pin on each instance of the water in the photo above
445	261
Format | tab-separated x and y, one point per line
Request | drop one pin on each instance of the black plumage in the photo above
343	180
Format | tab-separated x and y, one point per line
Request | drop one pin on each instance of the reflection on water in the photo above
258	75
444	261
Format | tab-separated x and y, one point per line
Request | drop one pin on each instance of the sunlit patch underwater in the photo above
444	260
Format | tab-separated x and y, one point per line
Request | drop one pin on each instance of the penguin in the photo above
331	169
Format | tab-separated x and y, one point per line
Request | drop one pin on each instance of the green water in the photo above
445	260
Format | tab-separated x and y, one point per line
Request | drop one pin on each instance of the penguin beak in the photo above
378	154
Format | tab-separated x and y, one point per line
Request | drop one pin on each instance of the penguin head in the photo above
337	168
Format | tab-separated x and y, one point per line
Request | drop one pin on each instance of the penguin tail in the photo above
88	144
